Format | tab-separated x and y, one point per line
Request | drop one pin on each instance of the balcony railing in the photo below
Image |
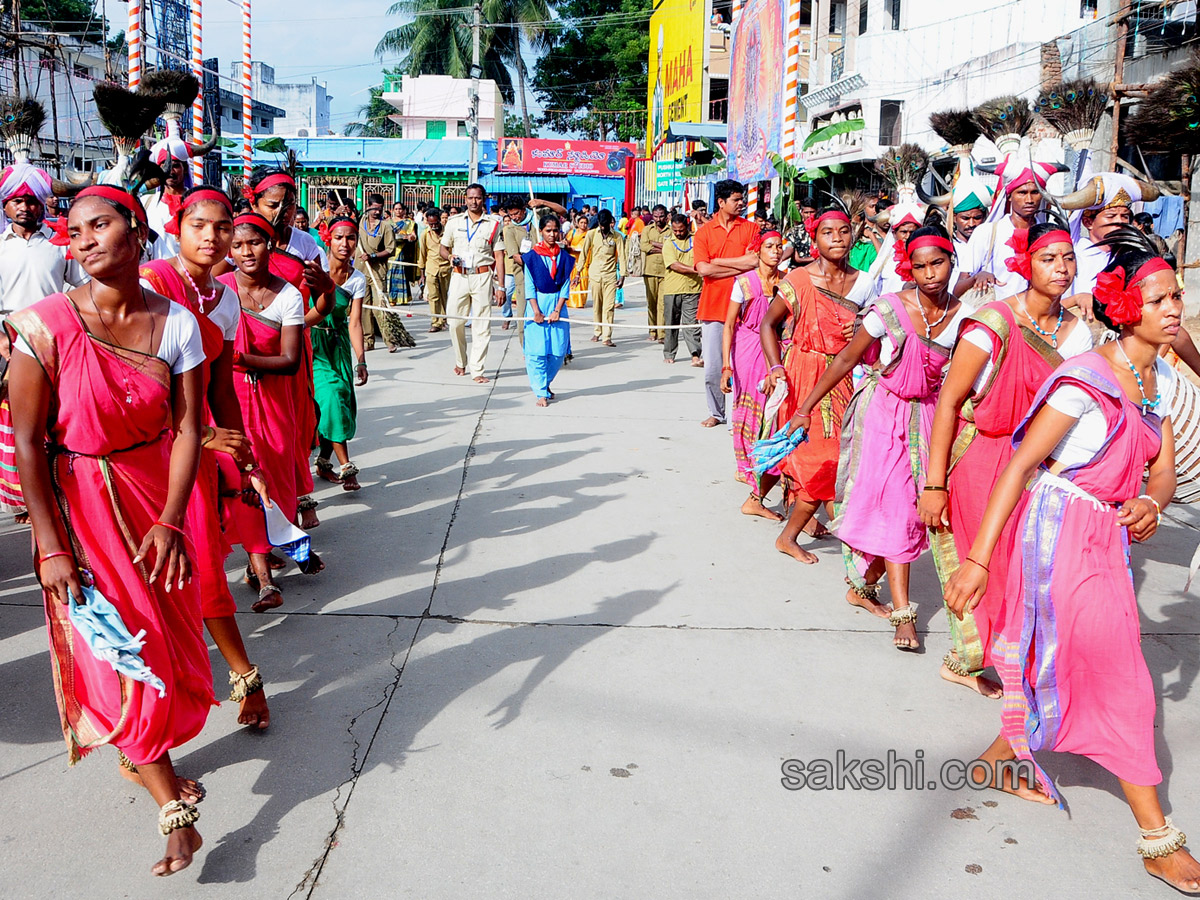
837	63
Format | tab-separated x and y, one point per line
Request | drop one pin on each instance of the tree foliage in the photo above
525	23
437	41
596	67
76	17
374	115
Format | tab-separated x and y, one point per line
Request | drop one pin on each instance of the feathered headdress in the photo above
1074	109
178	90
1169	118
903	167
21	119
128	115
1005	120
958	128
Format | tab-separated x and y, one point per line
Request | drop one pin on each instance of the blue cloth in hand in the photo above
107	636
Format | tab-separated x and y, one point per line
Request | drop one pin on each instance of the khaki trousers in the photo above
654	311
376	296
437	286
604	304
471	295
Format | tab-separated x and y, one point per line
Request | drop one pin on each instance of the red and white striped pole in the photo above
791	83
198	71
133	37
247	99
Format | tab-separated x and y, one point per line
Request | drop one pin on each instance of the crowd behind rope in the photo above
167	390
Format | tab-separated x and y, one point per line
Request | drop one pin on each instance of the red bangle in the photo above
42	559
978	563
174	528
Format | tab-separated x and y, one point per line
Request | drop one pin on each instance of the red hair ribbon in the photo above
903	253
1123	305
254	220
756	244
269	182
1021	261
118	196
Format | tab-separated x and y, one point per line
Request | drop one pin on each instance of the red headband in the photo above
1123	305
118	196
756	244
1021	261
254	220
269	182
903	253
206	195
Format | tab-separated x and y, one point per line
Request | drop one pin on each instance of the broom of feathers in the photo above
20	121
1074	109
1168	120
1005	120
902	165
957	127
177	89
127	115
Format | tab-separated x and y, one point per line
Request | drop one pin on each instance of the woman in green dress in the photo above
337	342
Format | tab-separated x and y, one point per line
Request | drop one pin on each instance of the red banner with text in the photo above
548	157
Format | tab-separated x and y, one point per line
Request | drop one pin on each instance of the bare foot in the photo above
740	477
874	607
711	422
480	379
1003	782
542	401
984	686
309	520
794	550
253	711
350	483
182	844
609	344
504	327
906	637
190	790
1179	869
314	565
668	360
816	530
595	338
21	518
275	561
269	597
459	370
697	362
754	507
327	473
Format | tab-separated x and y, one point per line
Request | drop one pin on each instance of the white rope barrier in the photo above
405	312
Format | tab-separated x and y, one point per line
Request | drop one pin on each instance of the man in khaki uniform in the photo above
435	271
376	244
516	242
652	238
473	243
605	249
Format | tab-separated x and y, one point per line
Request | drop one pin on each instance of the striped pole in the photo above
247	101
134	39
791	82
751	198
737	11
198	71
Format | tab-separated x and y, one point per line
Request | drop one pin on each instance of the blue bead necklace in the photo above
1148	405
1052	336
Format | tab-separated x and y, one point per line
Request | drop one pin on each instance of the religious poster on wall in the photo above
550	157
755	90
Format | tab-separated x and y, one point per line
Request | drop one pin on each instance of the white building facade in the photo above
305	105
438	107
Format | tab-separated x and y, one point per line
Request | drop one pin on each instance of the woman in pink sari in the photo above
266	357
1006	350
203	226
1075	679
905	339
745	368
106	401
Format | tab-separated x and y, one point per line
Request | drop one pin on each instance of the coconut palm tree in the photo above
438	42
519	21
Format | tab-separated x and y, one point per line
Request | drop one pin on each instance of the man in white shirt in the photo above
31	266
970	201
474	243
988	252
162	207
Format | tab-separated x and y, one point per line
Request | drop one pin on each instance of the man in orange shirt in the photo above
721	255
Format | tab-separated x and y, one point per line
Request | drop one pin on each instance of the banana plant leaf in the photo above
272	145
832	131
701	171
223	142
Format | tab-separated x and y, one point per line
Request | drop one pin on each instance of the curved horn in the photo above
203	149
1089	195
983	167
1150	190
933	199
881	219
71	188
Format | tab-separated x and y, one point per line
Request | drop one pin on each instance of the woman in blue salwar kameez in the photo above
547	331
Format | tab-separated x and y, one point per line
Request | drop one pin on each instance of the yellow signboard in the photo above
678	35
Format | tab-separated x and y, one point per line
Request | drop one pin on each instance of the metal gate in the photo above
317	193
454	194
387	191
412	194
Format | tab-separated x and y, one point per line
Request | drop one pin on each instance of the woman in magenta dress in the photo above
203	225
267	350
1075	679
106	400
905	341
744	368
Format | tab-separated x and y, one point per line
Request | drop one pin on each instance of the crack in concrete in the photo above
312	876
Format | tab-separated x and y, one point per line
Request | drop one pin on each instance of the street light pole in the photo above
473	123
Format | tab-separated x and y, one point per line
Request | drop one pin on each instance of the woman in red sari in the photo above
298	260
266	357
815	307
106	401
203	225
1005	350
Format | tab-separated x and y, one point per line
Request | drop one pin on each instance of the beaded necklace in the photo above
929	326
1052	336
1146	403
202	299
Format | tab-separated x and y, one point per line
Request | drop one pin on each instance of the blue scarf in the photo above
538	267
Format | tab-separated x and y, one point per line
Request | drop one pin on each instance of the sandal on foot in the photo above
263	593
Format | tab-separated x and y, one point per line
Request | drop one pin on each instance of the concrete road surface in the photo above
549	658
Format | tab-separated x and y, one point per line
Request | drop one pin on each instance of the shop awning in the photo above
541	185
694	131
